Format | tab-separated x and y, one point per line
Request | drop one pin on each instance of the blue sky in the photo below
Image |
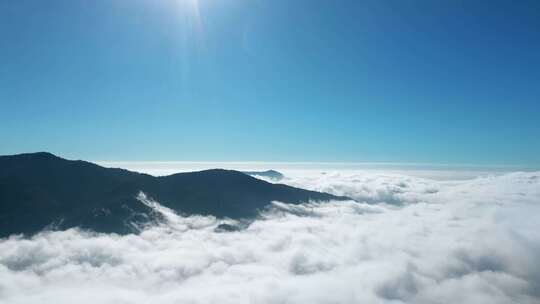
398	81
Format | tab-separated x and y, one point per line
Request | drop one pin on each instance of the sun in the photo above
189	12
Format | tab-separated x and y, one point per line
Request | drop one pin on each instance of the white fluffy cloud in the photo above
414	241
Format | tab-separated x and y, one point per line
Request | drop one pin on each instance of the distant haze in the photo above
435	171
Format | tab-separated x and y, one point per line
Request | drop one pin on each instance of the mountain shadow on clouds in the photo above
40	190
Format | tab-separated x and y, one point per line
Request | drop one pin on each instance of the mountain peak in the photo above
34	155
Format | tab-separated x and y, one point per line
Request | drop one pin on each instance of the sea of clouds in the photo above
406	239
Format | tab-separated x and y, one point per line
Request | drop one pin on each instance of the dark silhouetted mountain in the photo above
272	174
40	189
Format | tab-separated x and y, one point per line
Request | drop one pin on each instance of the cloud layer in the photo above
408	240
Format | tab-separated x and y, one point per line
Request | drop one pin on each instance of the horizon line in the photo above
340	163
382	163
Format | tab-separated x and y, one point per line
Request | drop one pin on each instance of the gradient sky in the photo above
402	81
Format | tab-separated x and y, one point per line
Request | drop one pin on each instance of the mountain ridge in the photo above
38	189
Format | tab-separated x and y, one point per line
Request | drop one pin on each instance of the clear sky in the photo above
272	80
